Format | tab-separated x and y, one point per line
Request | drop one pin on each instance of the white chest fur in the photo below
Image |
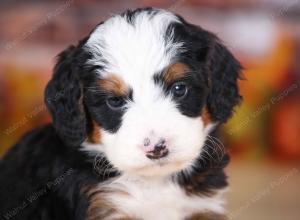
158	199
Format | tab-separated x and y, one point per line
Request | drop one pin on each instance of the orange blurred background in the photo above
264	135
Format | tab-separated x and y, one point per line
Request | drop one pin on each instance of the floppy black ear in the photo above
63	97
224	72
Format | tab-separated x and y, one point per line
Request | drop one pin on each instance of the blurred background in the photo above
264	135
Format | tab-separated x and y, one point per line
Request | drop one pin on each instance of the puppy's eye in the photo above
179	90
115	102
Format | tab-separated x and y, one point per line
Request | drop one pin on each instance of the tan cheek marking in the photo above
114	84
176	71
206	117
95	134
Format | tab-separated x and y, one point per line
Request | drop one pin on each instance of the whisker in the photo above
220	146
217	149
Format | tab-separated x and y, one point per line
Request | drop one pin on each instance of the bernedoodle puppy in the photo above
135	107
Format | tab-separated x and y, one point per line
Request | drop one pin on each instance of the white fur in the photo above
160	199
135	53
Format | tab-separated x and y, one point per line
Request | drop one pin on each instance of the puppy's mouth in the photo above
161	167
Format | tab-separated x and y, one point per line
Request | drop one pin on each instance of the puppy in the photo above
135	108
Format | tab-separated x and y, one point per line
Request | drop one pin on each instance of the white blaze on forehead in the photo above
135	50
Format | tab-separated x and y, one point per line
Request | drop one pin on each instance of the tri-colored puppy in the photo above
135	106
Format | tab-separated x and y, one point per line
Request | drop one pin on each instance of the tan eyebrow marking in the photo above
114	84
176	71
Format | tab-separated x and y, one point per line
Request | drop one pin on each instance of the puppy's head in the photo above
145	88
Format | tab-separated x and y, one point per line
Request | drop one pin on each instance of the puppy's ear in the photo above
224	71
63	97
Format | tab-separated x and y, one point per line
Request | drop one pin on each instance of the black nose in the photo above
160	150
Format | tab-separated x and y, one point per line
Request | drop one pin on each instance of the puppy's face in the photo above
151	121
149	88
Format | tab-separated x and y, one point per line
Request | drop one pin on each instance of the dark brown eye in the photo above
179	90
116	102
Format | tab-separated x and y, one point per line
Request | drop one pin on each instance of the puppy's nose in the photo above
159	150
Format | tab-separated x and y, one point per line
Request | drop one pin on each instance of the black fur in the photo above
63	98
51	154
213	67
131	14
194	101
214	73
47	176
101	113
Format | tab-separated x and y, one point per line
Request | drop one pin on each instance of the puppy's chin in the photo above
159	168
